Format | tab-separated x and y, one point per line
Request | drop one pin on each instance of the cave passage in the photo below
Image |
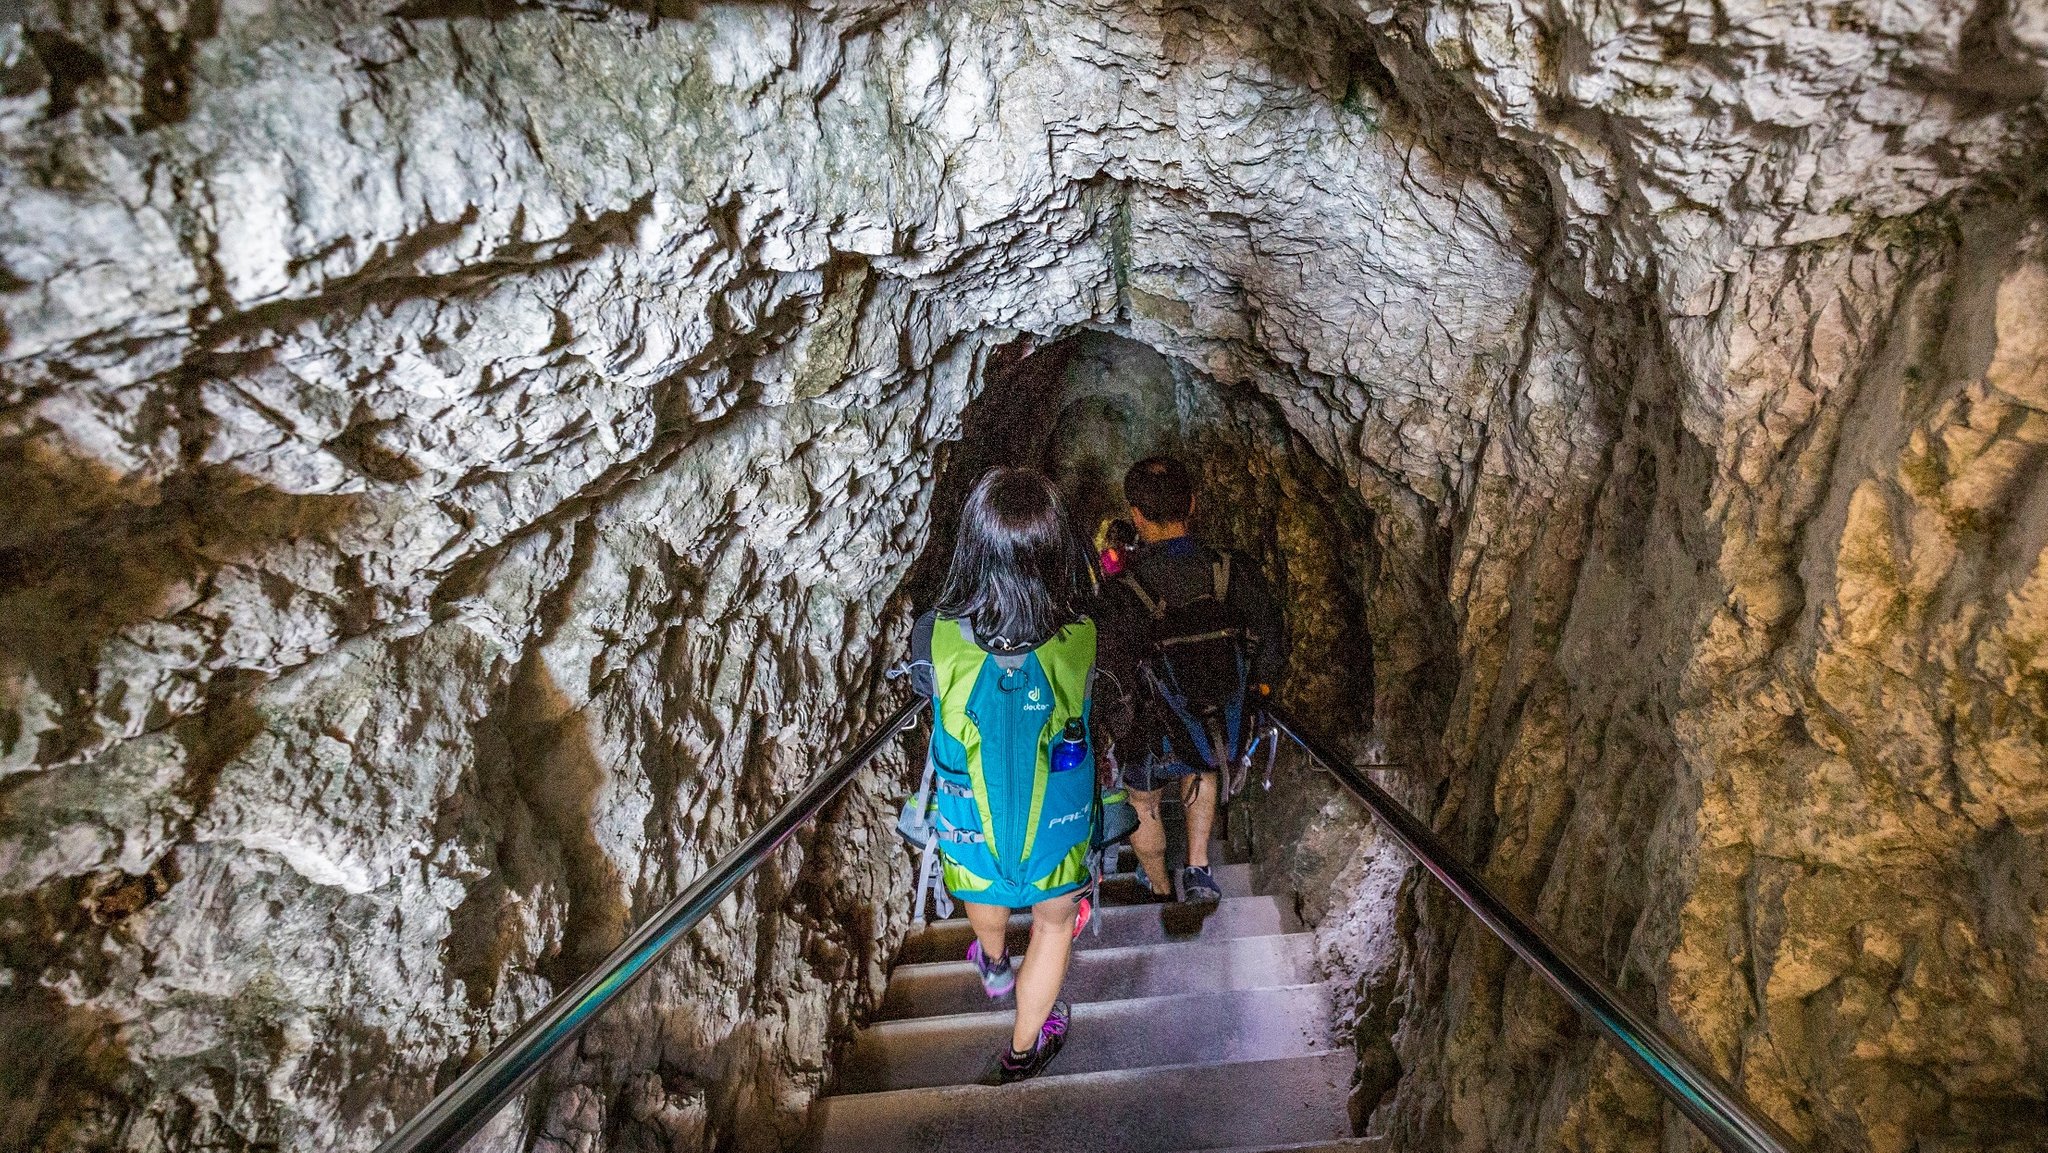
1084	407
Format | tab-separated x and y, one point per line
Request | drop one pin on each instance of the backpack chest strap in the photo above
1198	638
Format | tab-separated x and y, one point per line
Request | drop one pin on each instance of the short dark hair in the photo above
1018	565
1160	487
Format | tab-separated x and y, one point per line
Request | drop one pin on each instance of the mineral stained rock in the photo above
461	455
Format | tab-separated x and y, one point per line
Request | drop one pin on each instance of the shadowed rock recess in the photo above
464	459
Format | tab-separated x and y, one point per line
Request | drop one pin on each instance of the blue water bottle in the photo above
1072	748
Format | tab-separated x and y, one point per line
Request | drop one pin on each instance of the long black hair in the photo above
1018	571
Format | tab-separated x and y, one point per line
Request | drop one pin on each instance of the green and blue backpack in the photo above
991	819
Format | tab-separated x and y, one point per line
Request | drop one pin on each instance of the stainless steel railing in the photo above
458	1111
1720	1110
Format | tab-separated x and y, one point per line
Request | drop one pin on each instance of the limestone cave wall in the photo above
466	459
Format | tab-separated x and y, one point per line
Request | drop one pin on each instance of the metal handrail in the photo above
1720	1110
461	1109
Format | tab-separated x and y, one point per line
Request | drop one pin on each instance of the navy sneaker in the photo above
1197	887
1008	1067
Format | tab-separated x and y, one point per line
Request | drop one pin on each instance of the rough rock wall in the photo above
1758	726
464	452
1791	782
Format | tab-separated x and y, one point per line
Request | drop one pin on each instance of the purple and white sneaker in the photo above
1009	1067
998	977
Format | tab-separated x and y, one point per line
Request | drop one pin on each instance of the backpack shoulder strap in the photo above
1154	606
1220	574
1068	661
956	662
919	666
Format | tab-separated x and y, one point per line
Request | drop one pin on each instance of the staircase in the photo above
1194	1028
1198	1029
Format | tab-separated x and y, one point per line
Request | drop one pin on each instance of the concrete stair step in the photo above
1257	916
1123	888
1185	1029
1164	1109
1111	974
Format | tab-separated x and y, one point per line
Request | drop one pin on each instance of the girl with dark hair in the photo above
1008	661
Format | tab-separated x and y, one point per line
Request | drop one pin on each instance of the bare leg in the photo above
1045	967
1149	840
991	924
1198	793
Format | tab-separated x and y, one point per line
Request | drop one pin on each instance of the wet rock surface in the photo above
462	458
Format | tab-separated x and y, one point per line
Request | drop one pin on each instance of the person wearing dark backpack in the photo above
1203	638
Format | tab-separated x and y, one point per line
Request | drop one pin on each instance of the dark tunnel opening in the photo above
1085	407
